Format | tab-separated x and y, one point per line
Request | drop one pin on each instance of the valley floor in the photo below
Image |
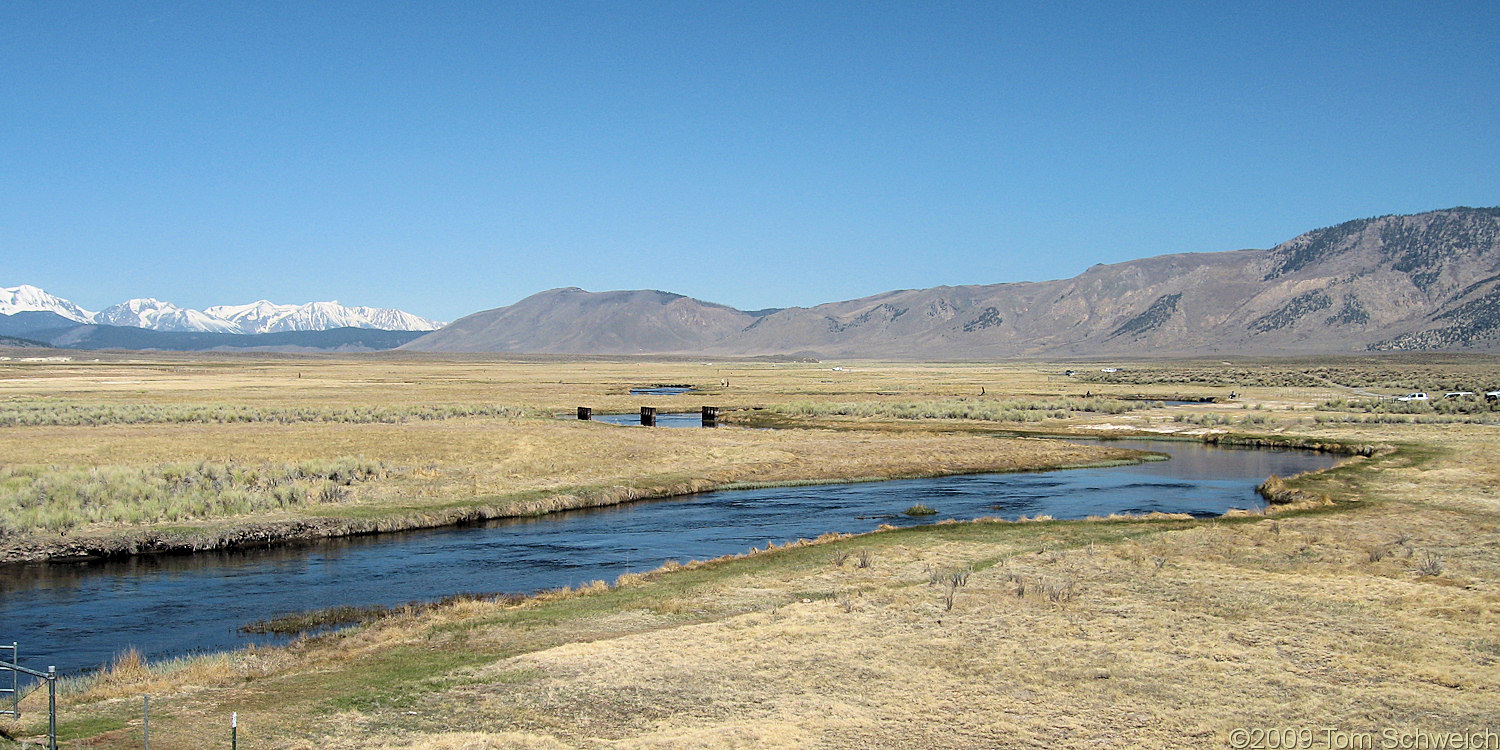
1375	613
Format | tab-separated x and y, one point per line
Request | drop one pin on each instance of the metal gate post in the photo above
51	677
14	691
51	708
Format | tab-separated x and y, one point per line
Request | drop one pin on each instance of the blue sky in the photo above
452	157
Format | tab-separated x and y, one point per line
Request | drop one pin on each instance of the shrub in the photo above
1431	564
70	414
1059	590
55	498
997	410
959	578
950	595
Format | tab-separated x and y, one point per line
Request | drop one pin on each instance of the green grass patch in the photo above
334	617
86	726
393	677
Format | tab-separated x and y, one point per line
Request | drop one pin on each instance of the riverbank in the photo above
1378	612
509	469
213	594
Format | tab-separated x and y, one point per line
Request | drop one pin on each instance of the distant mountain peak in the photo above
149	312
27	298
261	316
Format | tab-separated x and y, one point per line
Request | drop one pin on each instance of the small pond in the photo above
661	390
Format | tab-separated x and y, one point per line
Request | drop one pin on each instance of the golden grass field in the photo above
1374	612
438	471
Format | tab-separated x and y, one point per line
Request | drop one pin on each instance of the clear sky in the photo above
450	157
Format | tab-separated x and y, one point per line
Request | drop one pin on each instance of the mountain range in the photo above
254	318
1427	281
1419	282
31	315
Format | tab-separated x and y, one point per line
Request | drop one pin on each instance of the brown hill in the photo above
1426	281
573	321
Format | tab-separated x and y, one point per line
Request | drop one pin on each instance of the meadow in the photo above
1369	604
94	452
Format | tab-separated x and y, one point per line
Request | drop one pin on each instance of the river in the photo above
78	615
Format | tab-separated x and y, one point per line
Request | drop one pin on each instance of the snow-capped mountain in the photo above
26	298
256	317
268	317
162	316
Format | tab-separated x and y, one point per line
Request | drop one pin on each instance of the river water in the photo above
674	419
78	615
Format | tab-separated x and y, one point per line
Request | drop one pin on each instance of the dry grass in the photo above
1126	633
44	499
554	384
452	436
437	472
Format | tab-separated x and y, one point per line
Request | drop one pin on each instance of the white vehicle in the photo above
1418	396
1492	396
1457	394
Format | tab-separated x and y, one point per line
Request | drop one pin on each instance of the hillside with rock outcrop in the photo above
1427	281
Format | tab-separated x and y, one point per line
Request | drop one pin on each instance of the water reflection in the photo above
684	419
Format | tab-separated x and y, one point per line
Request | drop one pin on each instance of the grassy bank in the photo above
113	490
61	499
